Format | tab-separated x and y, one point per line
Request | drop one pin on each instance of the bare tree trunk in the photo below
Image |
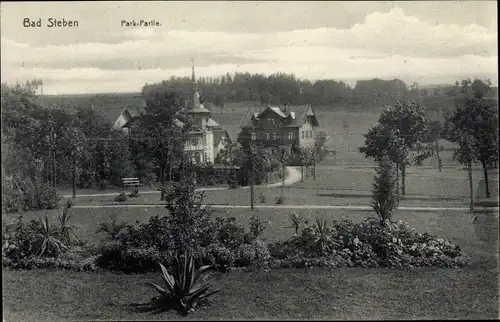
301	172
403	179
440	164
469	170
314	170
283	180
54	167
485	170
74	177
397	176
170	171
251	190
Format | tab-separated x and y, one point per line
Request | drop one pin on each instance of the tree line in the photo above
283	88
405	134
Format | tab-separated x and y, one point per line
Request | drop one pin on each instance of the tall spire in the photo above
194	99
193	78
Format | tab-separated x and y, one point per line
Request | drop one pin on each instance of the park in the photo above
312	240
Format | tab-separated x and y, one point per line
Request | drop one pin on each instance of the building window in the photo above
254	136
204	140
274	136
302	133
290	135
268	136
194	142
311	134
206	156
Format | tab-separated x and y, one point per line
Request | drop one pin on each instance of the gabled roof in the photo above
294	116
219	134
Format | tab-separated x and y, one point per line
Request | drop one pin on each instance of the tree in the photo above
401	135
385	195
474	127
283	154
435	129
188	217
163	137
219	101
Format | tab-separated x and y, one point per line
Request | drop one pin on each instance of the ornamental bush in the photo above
367	245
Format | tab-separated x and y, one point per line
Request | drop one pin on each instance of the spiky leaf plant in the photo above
112	228
296	221
185	287
66	230
322	241
50	244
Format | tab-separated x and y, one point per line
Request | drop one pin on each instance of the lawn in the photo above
346	186
287	294
355	293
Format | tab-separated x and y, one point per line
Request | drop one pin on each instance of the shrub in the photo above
188	216
150	178
134	193
103	184
245	255
183	289
112	228
217	255
257	226
280	200
229	233
121	197
116	256
28	195
262	198
346	244
385	192
262	255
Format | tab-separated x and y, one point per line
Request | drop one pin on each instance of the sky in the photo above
429	42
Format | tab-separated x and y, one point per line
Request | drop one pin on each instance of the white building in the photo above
206	138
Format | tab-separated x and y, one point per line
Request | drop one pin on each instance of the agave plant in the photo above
50	243
322	241
112	228
296	221
65	229
185	288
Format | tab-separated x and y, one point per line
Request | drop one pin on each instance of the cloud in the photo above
385	44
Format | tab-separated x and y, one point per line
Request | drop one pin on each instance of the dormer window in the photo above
254	136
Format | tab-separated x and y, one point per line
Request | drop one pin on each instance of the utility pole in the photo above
54	160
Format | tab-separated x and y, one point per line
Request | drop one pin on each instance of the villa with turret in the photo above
206	137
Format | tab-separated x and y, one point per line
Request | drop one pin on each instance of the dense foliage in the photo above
474	127
402	135
347	244
284	88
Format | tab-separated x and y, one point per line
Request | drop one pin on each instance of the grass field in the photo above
345	186
356	293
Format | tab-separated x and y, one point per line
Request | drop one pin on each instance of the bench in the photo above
131	182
